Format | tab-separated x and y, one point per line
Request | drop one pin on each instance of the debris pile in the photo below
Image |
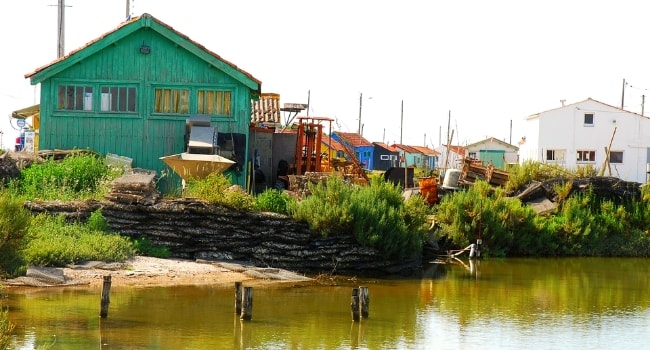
475	170
8	168
543	196
135	187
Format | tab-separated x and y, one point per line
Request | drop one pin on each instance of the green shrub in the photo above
488	214
216	188
6	327
97	222
274	201
582	225
383	220
56	242
14	225
77	176
327	209
144	246
376	215
531	170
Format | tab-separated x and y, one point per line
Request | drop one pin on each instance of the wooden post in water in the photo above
364	300
354	304
247	304
238	293
106	299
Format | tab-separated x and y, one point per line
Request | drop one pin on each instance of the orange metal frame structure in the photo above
309	154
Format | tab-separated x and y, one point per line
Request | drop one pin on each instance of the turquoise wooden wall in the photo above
143	136
494	156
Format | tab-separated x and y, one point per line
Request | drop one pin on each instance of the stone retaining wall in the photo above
193	229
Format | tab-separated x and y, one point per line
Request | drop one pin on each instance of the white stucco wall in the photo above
564	129
455	160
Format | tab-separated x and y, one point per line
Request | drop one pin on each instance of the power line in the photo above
634	87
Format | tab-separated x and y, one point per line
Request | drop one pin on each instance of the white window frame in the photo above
585	156
622	158
556	155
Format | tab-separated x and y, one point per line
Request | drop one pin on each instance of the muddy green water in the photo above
579	303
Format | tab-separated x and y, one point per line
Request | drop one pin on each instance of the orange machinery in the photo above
309	155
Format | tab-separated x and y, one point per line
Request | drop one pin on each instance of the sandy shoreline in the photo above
141	271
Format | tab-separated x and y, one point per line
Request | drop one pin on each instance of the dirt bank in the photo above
142	271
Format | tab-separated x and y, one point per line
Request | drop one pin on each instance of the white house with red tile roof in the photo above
580	134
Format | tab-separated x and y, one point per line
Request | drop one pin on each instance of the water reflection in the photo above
504	304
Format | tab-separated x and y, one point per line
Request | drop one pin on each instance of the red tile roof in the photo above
335	144
139	18
353	139
426	150
405	148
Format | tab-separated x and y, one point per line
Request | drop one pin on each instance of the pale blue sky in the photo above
488	62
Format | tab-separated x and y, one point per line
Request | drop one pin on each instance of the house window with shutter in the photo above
589	119
75	98
586	156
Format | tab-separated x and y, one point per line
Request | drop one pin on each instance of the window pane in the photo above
72	97
118	99
616	157
550	155
213	102
171	101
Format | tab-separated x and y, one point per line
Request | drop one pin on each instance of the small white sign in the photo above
20	123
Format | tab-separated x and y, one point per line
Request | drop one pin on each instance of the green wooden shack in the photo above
131	92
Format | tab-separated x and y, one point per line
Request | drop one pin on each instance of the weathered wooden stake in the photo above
106	299
354	304
247	304
238	290
364	300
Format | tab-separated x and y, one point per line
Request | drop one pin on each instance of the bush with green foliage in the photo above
485	213
583	225
14	225
77	176
144	246
274	201
216	188
6	327
327	208
377	215
384	220
531	170
53	241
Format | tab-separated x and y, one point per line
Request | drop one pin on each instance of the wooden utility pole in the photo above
128	10
401	126
623	96
360	102
61	29
448	126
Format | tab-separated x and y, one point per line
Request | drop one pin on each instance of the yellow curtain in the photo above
171	101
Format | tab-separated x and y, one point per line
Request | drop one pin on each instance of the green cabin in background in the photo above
131	91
